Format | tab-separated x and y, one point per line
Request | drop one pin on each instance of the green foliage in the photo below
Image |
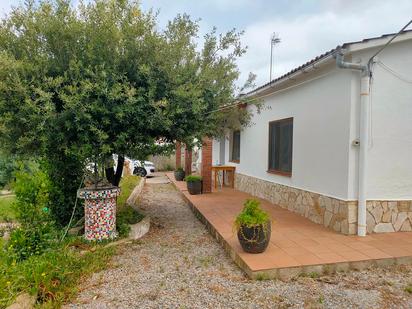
31	207
251	215
6	209
75	79
126	214
193	178
24	243
127	185
53	276
32	189
179	169
65	172
7	166
80	83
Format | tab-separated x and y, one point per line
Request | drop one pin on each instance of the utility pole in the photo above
274	39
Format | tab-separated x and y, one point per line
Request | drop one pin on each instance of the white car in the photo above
137	168
142	168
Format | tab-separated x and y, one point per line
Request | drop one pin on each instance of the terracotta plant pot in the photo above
194	187
254	239
180	175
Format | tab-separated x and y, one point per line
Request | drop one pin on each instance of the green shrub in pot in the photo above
194	184
179	174
253	227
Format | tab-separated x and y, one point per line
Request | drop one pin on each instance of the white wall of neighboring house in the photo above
326	121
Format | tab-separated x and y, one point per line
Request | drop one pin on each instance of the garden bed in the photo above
52	276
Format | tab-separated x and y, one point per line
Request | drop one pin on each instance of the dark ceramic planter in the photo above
180	175
194	187
254	239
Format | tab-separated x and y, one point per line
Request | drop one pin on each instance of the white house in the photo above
329	136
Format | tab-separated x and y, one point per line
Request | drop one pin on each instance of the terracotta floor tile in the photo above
318	249
296	251
295	240
308	259
360	246
376	254
330	258
353	256
396	251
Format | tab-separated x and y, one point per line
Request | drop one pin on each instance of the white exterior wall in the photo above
215	151
389	174
326	121
321	112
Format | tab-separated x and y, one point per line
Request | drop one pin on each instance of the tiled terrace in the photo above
297	245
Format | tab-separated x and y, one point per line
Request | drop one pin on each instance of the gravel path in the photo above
179	265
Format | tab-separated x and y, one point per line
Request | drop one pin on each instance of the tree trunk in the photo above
119	171
111	176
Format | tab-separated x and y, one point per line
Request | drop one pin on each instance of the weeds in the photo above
51	276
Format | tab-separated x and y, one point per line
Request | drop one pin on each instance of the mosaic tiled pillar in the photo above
99	213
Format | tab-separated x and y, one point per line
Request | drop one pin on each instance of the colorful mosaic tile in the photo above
99	213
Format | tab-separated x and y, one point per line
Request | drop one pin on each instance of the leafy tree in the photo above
78	84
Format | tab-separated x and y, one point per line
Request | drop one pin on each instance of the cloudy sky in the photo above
307	28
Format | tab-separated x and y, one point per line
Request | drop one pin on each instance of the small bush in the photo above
31	207
7	166
251	215
168	167
25	243
179	169
193	178
128	215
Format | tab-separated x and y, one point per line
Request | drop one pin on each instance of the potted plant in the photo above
179	174
194	184
253	227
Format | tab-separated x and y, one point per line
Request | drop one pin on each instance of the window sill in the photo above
286	174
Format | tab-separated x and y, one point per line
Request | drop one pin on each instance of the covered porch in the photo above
298	246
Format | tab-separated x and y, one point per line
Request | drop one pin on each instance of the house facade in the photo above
302	151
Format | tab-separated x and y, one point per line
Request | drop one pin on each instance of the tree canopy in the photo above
80	83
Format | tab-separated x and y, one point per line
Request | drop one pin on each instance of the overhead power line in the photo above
387	43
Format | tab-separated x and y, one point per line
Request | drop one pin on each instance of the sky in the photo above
306	28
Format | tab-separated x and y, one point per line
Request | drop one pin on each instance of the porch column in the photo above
188	161
207	165
178	155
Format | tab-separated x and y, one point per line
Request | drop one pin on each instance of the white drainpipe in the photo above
363	136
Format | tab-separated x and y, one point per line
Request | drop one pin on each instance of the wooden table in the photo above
225	168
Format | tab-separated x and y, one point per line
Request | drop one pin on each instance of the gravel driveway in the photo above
179	265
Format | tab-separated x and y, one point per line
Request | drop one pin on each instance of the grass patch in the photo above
6	211
52	277
127	184
126	214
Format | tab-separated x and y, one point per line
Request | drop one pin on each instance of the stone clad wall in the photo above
388	216
339	215
336	214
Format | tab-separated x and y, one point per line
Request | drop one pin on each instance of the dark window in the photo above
235	156
280	146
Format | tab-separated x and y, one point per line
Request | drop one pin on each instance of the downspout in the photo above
363	136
